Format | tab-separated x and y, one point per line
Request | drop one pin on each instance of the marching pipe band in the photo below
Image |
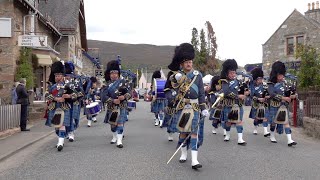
178	102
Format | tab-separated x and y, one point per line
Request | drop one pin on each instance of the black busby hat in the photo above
156	74
257	73
183	52
214	82
228	65
56	68
278	67
112	66
69	67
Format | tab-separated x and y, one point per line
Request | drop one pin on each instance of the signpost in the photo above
32	41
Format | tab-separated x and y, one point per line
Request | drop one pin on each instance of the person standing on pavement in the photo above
23	99
191	110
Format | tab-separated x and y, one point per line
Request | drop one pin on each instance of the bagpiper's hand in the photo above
261	99
293	96
247	93
66	96
121	98
288	99
267	97
241	96
205	113
116	101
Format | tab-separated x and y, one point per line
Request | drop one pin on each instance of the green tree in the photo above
212	64
201	61
310	67
195	43
25	69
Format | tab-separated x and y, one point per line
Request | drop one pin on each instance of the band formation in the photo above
180	103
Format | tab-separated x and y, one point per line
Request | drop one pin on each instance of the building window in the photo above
300	40
290	46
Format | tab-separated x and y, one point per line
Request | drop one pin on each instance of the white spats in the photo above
194	158
60	144
114	138
184	154
89	123
224	132
272	137
71	136
157	122
290	141
240	139
214	130
255	131
170	136
266	133
227	137
119	140
94	119
160	122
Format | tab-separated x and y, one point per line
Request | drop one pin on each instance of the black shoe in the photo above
112	142
25	129
60	147
120	146
274	141
197	166
292	144
242	144
182	160
266	135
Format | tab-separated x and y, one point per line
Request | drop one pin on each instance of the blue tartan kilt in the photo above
170	123
158	105
272	112
122	117
76	112
253	113
66	121
226	110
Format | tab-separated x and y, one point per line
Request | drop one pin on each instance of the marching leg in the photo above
255	123
194	154
170	138
119	136
227	137
62	135
184	154
161	116
290	141
114	134
265	129
89	123
272	134
240	140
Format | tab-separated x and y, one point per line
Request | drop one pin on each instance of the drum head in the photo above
93	104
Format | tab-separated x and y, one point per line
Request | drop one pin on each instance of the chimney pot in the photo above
309	6
313	6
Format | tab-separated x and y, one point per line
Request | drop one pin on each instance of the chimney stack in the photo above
313	6
309	6
317	5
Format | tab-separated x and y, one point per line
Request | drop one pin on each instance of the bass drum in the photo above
158	88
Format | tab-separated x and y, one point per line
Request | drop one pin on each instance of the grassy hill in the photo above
134	56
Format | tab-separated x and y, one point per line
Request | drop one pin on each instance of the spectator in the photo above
14	96
23	99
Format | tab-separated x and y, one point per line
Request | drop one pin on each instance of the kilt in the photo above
194	129
158	105
122	117
253	113
76	111
171	124
66	121
272	112
226	110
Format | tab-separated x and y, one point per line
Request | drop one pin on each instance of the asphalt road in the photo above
146	151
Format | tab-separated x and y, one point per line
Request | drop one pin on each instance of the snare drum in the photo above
93	108
132	104
158	88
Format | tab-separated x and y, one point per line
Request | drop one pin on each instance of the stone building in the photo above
17	18
296	29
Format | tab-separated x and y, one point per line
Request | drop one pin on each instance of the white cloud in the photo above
241	26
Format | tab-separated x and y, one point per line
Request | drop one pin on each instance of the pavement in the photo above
14	140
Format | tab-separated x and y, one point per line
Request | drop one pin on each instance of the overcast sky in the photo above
241	26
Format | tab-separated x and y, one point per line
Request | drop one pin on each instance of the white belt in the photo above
191	100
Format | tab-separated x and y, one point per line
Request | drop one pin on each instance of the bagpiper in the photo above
158	102
116	96
280	98
59	97
259	107
233	101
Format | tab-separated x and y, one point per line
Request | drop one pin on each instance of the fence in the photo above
9	116
311	102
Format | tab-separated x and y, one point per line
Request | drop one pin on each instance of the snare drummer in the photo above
232	110
116	96
91	96
279	102
56	97
158	103
191	96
